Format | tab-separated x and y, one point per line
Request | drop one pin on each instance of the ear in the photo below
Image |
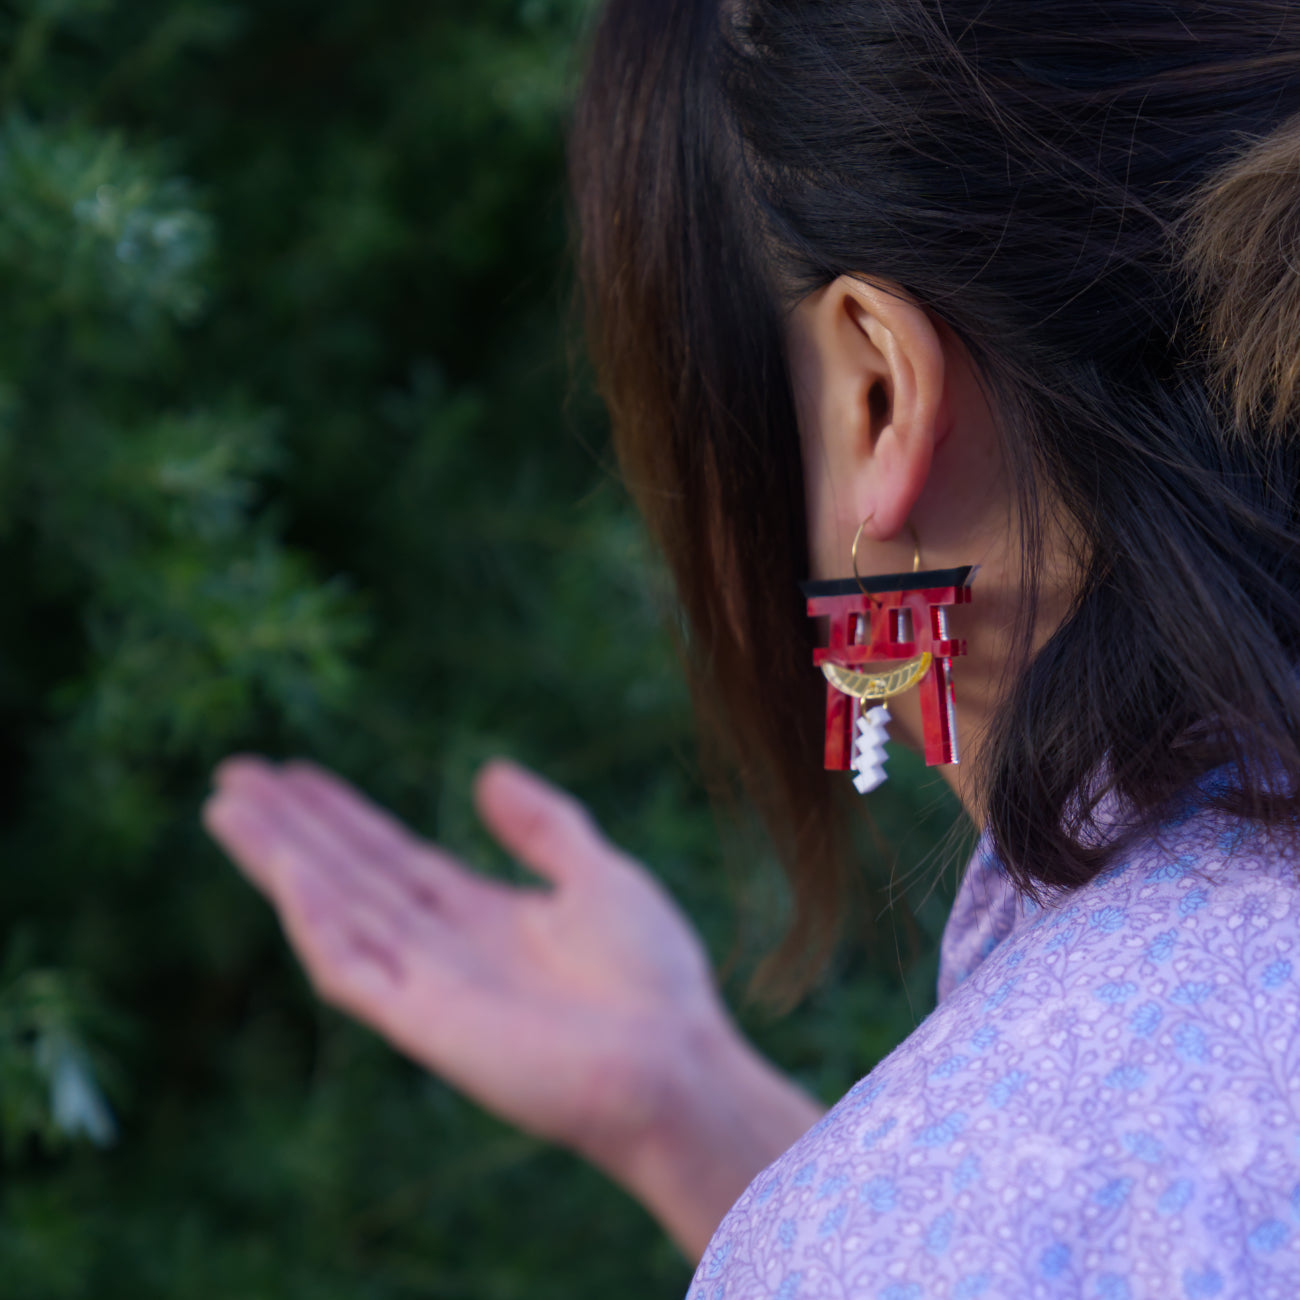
869	376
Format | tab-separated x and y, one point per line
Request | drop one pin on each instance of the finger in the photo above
351	954
545	828
238	768
432	876
349	963
245	837
321	844
272	840
426	875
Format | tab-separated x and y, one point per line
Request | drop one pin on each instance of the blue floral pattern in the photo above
1105	1104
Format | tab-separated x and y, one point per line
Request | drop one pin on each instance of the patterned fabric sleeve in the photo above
1105	1104
986	910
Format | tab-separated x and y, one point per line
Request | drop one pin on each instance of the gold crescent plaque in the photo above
878	684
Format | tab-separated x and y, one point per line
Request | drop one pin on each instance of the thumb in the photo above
540	824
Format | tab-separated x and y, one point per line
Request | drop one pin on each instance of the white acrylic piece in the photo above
869	779
868	762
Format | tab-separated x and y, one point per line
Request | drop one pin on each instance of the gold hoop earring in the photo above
857	537
853	553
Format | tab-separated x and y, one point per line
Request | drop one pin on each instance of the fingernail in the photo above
239	768
509	770
237	822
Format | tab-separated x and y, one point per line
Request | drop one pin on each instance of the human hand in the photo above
584	1012
556	1008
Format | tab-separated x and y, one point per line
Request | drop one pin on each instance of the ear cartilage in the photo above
869	750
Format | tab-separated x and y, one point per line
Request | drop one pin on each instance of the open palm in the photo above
558	1007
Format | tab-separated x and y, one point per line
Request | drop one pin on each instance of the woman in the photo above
1019	280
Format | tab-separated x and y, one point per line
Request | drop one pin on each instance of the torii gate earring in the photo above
874	623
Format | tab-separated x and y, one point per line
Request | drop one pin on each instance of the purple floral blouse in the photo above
1104	1105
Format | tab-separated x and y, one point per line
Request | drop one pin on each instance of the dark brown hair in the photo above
1034	173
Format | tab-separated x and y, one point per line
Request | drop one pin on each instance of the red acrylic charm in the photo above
888	617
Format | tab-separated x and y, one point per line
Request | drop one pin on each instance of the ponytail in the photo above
1243	259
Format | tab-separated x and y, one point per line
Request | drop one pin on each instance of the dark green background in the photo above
296	454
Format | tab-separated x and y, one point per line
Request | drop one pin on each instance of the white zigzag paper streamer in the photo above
869	750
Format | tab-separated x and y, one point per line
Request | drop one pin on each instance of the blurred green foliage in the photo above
293	457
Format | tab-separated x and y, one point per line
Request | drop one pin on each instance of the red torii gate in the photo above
892	616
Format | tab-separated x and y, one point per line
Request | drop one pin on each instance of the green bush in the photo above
293	458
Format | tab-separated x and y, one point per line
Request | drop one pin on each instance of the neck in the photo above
983	676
